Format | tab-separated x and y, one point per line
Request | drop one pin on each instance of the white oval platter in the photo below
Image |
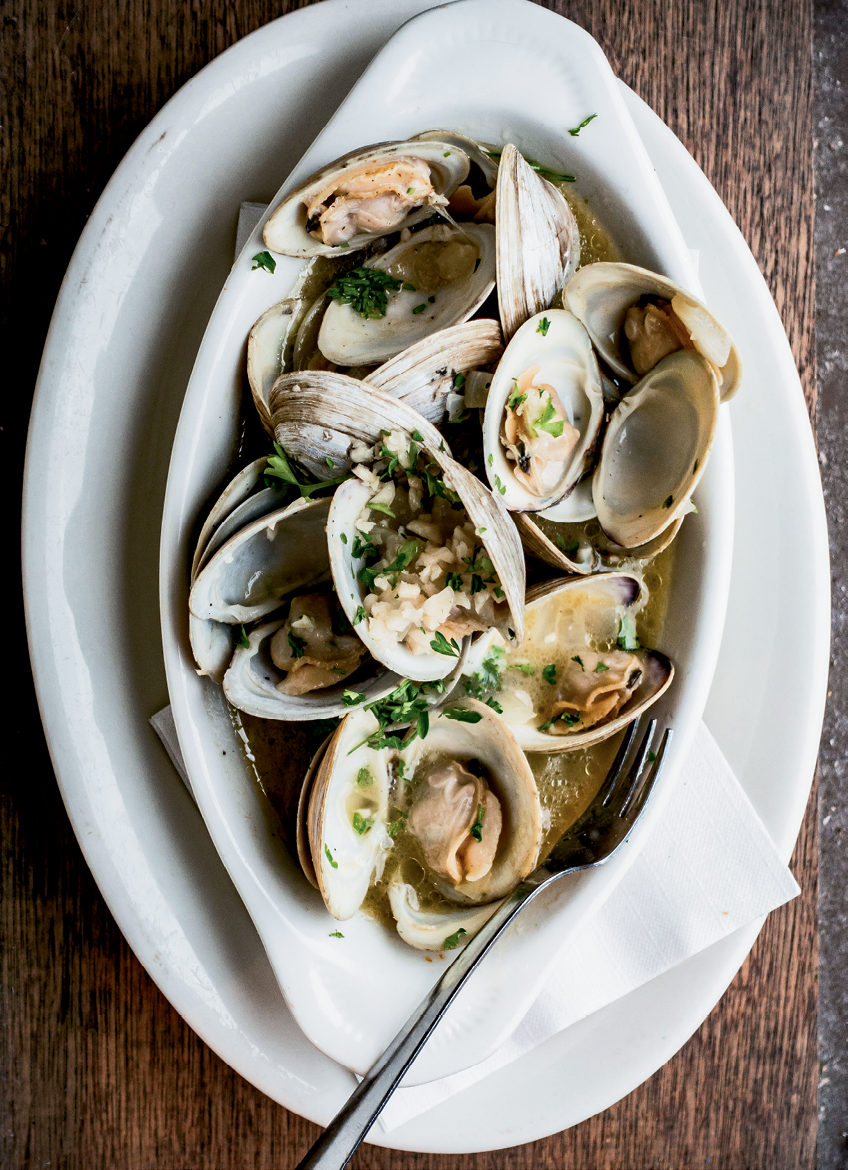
446	68
90	565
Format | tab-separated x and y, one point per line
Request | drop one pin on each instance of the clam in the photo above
538	241
440	276
270	345
469	804
655	449
318	415
426	373
347	814
574	556
544	412
364	195
636	317
580	676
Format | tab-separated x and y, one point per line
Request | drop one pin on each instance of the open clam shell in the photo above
286	229
427	301
655	449
250	575
250	684
600	295
474	150
563	616
423	375
557	347
533	220
581	560
489	742
434	930
347	815
270	344
317	415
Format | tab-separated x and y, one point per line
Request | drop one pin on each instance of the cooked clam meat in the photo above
315	646
653	330
592	687
375	197
536	433
457	820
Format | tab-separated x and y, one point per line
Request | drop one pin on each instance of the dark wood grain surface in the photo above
98	1070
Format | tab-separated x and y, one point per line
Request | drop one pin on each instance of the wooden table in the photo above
99	1070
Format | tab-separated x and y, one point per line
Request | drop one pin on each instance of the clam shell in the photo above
655	449
348	339
317	415
249	684
285	230
568	364
622	590
474	150
269	558
533	221
237	492
541	546
345	861
428	930
492	743
600	295
423	375
270	342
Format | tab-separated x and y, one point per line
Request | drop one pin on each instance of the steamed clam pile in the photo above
459	396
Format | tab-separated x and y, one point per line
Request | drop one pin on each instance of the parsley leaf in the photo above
365	289
488	678
297	644
523	667
243	641
476	830
453	940
549	674
365	778
263	260
360	614
627	633
582	125
543	326
577	658
515	398
567	717
601	666
352	698
336	934
547	421
454	581
331	860
361	824
278	467
440	644
395	827
669	502
418	309
461	714
493	704
565	546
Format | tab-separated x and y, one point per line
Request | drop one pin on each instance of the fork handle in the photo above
341	1139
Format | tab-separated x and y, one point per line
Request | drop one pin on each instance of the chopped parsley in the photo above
567	548
459	381
419	309
669	502
453	940
488	677
549	674
500	487
331	860
360	614
577	658
539	168
543	326
395	827
582	125
278	467
627	633
454	581
352	698
493	704
601	666
365	289
476	830
336	934
461	714
566	717
243	641
361	824
441	646
344	538
297	644
692	507
383	508
365	778
523	667
515	398
547	421
263	260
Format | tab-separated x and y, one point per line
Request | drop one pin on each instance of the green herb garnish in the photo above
461	714
365	778
440	644
549	674
336	934
567	548
360	614
601	666
243	641
493	704
547	421
543	326
476	831
360	824
263	260
454	581
577	658
453	940
627	633
365	289
352	698
500	487
419	309
297	644
278	467
398	825
567	717
669	502
582	125
523	667
331	860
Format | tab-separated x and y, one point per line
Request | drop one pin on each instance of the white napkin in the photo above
708	868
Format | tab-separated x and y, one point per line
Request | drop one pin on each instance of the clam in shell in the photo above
364	195
544	412
580	677
444	273
614	300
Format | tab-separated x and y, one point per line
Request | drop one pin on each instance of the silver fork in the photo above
591	841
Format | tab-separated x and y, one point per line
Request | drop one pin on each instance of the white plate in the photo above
112	380
446	68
